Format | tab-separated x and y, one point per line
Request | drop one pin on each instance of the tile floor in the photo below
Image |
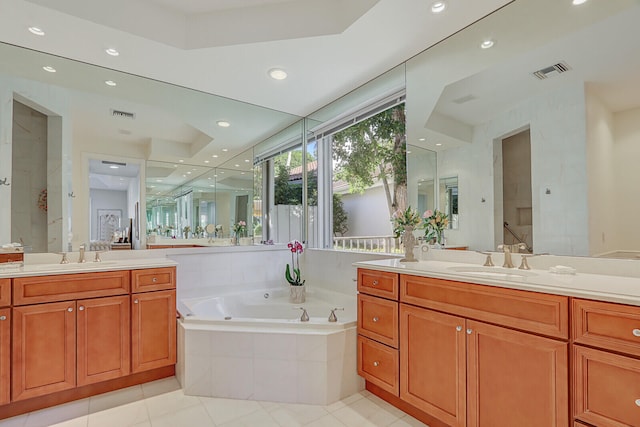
162	404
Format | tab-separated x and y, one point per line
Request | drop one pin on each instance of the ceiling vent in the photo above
552	70
107	162
123	114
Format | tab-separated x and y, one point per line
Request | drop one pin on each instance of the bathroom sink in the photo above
497	272
71	266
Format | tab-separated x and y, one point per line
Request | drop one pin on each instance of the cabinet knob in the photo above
81	308
458	328
70	309
469	331
154	280
636	332
378	364
637	402
135	301
375	319
3	317
375	283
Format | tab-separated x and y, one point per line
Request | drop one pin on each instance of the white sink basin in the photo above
497	272
70	266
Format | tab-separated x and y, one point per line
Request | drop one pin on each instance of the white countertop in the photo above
619	289
8	270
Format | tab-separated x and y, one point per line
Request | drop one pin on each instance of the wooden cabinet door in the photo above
433	363
44	349
5	355
515	378
606	388
103	342
153	330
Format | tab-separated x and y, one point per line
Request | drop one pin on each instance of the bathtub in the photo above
252	345
271	308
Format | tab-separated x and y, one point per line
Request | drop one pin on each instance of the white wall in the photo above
558	155
367	213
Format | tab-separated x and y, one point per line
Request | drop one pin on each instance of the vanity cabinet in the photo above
72	341
5	292
5	355
469	355
378	339
606	363
153	314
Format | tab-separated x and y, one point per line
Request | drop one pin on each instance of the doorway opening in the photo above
517	211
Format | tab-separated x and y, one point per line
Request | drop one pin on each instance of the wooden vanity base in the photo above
36	403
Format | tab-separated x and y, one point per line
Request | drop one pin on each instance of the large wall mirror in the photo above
541	127
84	150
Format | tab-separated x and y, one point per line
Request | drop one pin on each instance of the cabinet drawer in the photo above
378	319
542	314
12	257
378	283
5	292
606	388
378	364
153	279
607	325
64	287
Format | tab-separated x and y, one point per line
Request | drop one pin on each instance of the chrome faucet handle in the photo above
524	265
304	317
81	250
64	259
488	262
332	316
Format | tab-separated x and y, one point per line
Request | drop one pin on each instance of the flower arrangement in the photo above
434	223
42	201
403	219
199	230
240	228
296	249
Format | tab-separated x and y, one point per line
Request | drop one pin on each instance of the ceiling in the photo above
225	47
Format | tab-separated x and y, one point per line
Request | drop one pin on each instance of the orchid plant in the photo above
296	249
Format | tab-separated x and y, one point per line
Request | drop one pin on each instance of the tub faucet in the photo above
332	316
81	256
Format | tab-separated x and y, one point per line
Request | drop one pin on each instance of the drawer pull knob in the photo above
81	308
469	331
375	283
3	317
637	402
70	309
636	332
375	319
154	280
458	328
378	364
135	301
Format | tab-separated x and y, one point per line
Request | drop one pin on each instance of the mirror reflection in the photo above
541	129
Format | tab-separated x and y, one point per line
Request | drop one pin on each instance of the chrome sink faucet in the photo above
81	256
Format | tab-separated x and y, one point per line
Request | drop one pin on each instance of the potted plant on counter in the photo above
404	222
297	293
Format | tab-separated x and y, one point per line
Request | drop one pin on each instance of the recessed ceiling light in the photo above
152	186
49	69
223	124
110	83
277	73
114	167
37	31
181	161
188	172
215	156
225	150
158	180
247	160
206	161
212	185
578	2
111	51
438	6
487	44
209	178
422	139
237	166
175	166
439	144
242	173
222	172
